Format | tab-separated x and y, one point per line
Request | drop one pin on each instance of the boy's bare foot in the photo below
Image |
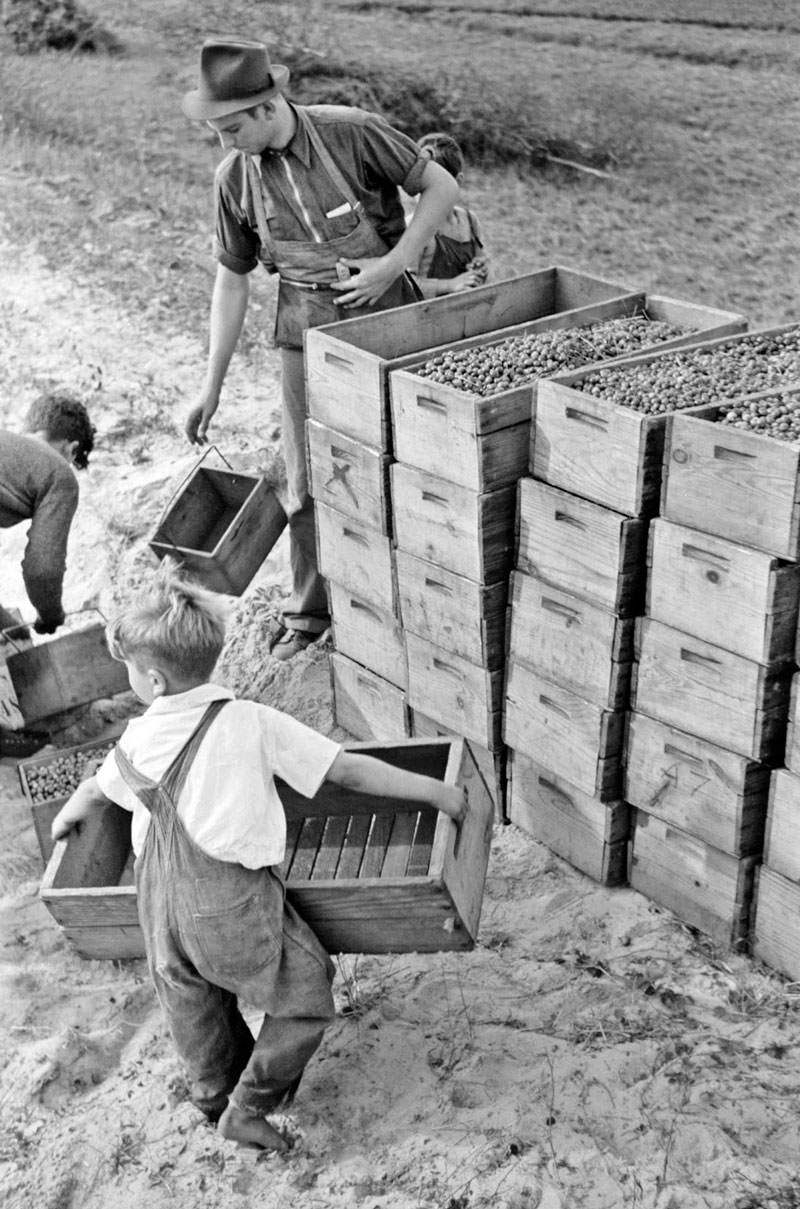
253	1132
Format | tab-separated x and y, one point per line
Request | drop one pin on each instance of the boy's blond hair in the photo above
176	624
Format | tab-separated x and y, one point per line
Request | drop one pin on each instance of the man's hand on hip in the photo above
371	278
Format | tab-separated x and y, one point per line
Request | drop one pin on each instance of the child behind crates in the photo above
197	770
454	259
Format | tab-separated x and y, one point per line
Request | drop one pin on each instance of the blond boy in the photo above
198	770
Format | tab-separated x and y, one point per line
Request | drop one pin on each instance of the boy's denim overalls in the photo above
215	930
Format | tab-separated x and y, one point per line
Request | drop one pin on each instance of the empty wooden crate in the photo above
370	875
220	527
65	671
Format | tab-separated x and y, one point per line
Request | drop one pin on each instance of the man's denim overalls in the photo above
215	931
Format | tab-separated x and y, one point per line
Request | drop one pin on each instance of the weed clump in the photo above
38	25
491	130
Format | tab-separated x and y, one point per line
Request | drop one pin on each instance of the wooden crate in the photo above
595	553
776	929
603	450
716	795
463	695
732	482
221	526
708	691
792	753
451	611
589	833
705	888
65	671
356	556
781	847
367	635
570	641
70	765
458	529
574	738
349	476
370	875
492	764
365	704
487	438
348	362
742	599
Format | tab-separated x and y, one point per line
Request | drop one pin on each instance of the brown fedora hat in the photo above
234	74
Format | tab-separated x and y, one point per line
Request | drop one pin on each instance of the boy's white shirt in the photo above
229	804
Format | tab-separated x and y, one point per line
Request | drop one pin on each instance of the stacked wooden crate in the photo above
348	367
713	654
578	585
744	484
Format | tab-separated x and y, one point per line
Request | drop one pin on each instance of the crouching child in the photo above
197	770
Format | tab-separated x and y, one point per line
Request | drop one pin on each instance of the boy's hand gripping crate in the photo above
369	875
49	780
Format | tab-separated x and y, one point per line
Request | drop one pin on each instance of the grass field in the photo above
692	119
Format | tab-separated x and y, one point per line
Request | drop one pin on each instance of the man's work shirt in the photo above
38	485
374	158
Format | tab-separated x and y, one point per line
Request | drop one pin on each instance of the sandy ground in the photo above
591	1051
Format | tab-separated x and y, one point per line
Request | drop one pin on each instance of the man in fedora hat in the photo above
312	193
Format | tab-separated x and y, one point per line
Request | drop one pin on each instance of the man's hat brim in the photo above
199	107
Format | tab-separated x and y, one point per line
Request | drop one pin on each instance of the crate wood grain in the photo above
458	529
367	635
792	753
708	691
492	764
733	482
31	772
591	551
592	835
451	611
63	672
368	874
742	599
221	526
776	928
570	641
349	476
365	704
488	437
714	794
782	840
705	888
464	695
357	556
348	363
574	738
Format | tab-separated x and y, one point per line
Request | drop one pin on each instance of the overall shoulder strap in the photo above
173	779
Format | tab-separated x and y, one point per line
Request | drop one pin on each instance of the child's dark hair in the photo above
443	149
63	417
176	624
